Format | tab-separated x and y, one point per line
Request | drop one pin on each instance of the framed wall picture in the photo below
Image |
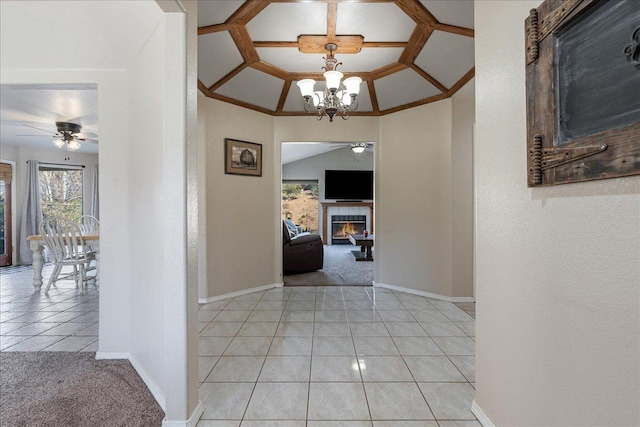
242	158
583	91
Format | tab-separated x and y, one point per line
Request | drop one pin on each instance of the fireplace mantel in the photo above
325	219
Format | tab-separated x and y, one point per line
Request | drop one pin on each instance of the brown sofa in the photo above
302	253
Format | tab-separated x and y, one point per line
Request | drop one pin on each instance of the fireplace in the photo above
343	225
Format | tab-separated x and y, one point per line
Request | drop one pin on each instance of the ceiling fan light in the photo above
353	85
73	145
58	143
306	87
333	79
358	147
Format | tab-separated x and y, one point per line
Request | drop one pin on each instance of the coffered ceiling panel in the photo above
211	49
376	22
407	52
452	12
215	12
291	59
253	87
403	87
286	21
447	57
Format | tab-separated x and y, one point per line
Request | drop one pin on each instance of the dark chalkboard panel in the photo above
598	88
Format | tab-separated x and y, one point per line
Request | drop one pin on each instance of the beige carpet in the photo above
73	389
340	269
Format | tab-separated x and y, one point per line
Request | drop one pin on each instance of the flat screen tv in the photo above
348	185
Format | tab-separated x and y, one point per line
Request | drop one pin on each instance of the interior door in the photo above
5	214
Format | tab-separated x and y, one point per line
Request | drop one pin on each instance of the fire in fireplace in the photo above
343	225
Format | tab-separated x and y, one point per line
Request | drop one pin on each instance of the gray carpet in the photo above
340	269
73	389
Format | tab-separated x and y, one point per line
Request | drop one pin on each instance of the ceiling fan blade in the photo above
91	141
85	134
37	128
41	136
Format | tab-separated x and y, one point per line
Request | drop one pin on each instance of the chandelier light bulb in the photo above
58	143
353	85
333	79
358	147
306	87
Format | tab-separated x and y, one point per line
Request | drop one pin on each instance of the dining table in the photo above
37	245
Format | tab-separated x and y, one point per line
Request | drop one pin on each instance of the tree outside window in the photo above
61	192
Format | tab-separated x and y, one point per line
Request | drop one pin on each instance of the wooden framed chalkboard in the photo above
583	91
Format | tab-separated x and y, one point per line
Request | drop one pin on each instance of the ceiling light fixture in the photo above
358	147
66	135
335	95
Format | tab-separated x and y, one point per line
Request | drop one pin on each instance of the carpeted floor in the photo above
73	389
340	268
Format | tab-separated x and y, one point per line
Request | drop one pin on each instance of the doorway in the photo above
6	235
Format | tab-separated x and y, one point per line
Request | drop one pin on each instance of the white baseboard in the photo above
480	415
422	293
239	293
191	422
153	388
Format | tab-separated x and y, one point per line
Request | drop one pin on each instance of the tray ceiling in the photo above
412	52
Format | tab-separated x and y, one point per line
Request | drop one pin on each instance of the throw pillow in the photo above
293	230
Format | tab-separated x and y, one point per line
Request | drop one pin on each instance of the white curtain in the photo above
31	211
95	200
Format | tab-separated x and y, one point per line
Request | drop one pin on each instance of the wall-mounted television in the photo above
348	185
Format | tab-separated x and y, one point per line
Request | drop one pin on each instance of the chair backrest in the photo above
63	238
89	225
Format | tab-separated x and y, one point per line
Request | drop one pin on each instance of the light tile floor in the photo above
336	356
291	357
64	320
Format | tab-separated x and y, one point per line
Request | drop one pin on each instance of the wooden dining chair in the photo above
89	225
65	241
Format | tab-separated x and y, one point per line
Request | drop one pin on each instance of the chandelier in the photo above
336	97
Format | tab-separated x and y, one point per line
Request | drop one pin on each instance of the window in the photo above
300	203
61	191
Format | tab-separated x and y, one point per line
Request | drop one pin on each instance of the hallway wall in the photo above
558	268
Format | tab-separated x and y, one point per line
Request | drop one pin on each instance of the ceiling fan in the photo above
359	147
67	134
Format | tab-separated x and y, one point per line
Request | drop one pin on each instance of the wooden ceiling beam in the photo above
228	77
414	104
463	81
205	90
283	95
248	11
416	11
428	77
415	44
243	42
332	19
212	29
373	96
240	103
271	69
468	32
387	70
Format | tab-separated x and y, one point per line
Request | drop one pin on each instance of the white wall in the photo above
462	194
20	155
240	209
414	199
558	268
313	168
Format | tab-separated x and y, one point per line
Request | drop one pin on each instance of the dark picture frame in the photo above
583	63
242	157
